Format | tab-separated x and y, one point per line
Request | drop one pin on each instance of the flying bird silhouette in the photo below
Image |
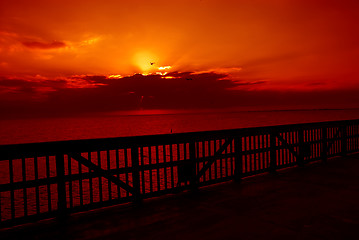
152	63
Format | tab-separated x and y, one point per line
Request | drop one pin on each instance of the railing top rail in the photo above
84	145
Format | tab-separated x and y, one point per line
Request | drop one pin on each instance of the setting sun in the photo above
145	61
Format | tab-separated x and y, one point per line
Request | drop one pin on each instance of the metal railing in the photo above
54	179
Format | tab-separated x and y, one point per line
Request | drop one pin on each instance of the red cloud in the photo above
44	45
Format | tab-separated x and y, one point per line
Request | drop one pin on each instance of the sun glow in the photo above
148	64
114	76
161	73
145	61
164	68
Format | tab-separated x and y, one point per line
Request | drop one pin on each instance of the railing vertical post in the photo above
344	140
193	159
61	186
136	175
273	152
300	160
238	159
324	144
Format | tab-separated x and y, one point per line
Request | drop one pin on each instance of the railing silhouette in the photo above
54	179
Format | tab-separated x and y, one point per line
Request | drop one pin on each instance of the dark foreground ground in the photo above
315	202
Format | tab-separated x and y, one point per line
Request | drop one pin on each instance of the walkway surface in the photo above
319	201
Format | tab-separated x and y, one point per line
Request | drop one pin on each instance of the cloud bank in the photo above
79	95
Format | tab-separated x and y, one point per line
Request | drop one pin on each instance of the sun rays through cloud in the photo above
255	47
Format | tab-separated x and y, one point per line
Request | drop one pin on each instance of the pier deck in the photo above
318	201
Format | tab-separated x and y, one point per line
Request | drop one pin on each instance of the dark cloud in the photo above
251	83
147	92
4	82
20	83
44	45
202	91
91	78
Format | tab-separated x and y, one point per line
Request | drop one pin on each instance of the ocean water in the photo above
55	129
72	128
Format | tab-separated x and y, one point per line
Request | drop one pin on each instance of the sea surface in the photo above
117	125
72	128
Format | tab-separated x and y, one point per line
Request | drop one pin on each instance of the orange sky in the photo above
290	45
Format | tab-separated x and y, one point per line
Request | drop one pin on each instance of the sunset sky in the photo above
69	57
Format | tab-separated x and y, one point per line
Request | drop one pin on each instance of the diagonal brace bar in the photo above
102	172
214	158
285	143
